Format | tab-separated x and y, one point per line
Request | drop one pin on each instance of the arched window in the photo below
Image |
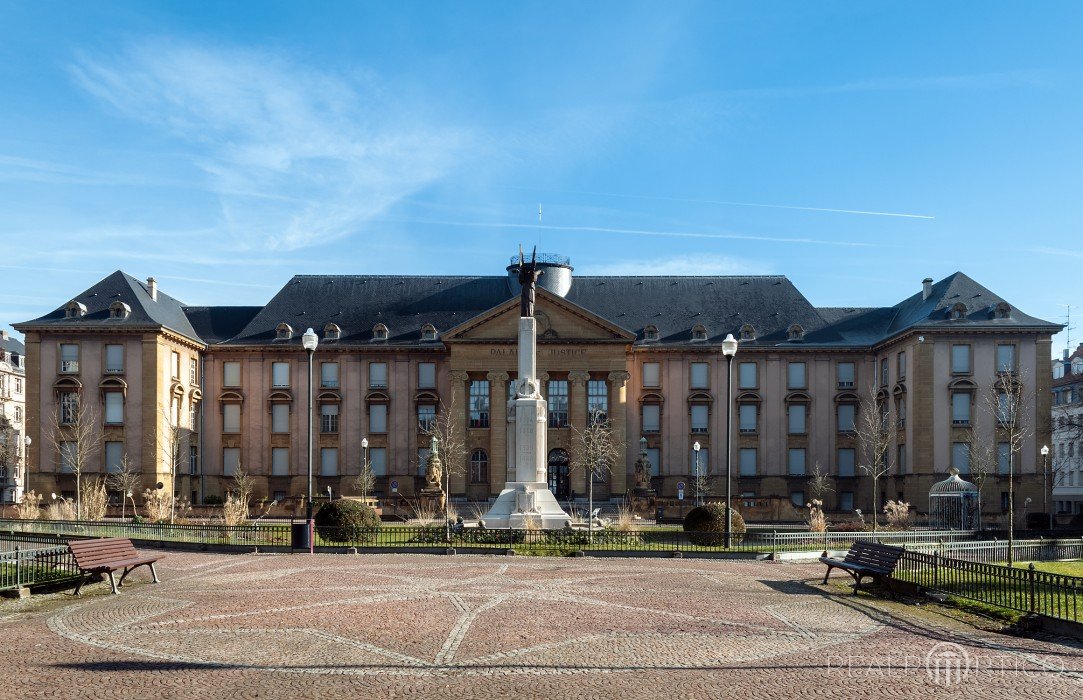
428	333
118	309
75	309
283	331
748	332
479	467
379	332
795	333
957	311
1002	310
650	333
699	332
332	332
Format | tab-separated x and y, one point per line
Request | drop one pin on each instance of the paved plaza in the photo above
260	626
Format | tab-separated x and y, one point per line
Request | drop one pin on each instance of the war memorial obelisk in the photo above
526	500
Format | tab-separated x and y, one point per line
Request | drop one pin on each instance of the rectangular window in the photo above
479	403
846	417
699	375
900	411
846	375
960	359
329	418
69	408
700	414
651	374
796	415
377	418
280	461
748	413
114	407
174	365
1004	458
651	415
795	375
426	375
557	397
796	461
378	461
900	458
328	461
746	378
329	375
883	372
193	371
1004	501
69	358
231	418
654	456
901	366
280	374
68	457
114	455
193	461
231	460
846	501
114	359
847	459
280	418
597	400
1005	358
378	375
231	374
797	498
747	461
960	408
426	417
422	460
960	456
1005	412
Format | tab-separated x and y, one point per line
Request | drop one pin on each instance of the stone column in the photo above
577	419
459	414
618	408
498	427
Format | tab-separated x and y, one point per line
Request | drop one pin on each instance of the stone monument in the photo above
526	500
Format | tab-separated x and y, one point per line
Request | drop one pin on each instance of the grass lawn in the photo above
1065	568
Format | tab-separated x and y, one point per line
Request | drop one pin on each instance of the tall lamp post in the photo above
699	486
1045	485
26	464
729	349
364	463
310	341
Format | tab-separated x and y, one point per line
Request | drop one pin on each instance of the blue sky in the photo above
854	147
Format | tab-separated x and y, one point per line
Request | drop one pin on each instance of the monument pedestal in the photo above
523	505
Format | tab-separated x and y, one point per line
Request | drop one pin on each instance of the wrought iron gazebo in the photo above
953	504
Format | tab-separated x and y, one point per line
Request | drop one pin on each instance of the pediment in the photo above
558	319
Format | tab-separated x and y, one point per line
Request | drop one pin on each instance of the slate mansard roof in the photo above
771	305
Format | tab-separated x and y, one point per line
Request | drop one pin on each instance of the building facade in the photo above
395	351
1066	450
13	431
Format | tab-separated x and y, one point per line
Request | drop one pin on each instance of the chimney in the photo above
926	288
152	288
1065	349
4	336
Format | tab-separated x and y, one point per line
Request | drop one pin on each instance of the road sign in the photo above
680	490
394	486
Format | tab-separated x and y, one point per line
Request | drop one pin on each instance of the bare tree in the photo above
127	481
875	433
1007	404
10	449
595	450
171	446
75	435
819	484
365	481
450	434
984	462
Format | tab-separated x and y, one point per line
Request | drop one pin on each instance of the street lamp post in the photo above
1045	485
729	349
365	466
699	485
310	341
26	463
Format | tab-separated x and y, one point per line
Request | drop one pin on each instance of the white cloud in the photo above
296	156
703	264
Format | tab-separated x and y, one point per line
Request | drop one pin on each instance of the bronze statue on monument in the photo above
528	282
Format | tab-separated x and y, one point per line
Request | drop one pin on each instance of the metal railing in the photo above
252	534
30	567
996	551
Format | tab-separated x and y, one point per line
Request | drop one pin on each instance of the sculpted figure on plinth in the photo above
528	282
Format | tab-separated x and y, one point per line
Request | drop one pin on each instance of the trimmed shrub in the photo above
346	521
706	525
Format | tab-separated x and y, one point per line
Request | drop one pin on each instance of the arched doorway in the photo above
559	482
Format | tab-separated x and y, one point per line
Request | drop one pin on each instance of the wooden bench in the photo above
866	559
106	555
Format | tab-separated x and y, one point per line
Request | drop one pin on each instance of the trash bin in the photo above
658	514
300	535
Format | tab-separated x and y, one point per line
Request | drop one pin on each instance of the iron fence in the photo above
252	534
995	551
30	567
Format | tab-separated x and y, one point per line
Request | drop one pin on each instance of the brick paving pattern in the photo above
261	626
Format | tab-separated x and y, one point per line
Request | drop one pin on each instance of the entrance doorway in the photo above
559	482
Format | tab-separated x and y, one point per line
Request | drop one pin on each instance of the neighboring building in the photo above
13	411
394	350
1066	455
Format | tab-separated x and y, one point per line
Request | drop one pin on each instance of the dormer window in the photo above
748	332
795	333
650	333
1077	366
332	332
699	332
428	333
75	309
379	332
1002	310
118	309
957	311
283	331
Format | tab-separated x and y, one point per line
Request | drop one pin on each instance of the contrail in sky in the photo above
642	232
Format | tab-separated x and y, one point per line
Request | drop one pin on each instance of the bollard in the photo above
1031	576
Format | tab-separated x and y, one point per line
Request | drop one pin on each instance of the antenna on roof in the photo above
1068	328
539	222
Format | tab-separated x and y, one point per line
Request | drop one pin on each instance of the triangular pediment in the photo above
558	319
